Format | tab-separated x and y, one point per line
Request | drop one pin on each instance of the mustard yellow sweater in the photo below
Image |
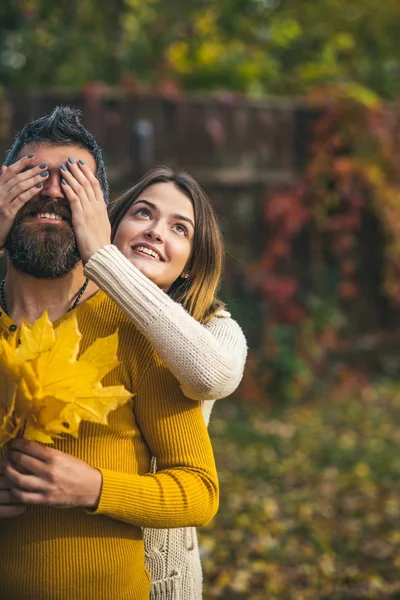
73	554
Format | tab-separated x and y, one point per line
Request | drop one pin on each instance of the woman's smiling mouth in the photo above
140	249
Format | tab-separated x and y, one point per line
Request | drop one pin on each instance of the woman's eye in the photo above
181	229
143	212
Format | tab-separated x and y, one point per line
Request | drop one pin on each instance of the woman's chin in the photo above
147	269
153	271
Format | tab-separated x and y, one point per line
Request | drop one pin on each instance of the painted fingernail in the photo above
39	185
44	174
81	162
71	160
31	155
64	168
63	181
43	166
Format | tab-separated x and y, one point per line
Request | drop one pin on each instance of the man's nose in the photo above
52	187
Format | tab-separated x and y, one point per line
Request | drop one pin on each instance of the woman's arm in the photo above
208	360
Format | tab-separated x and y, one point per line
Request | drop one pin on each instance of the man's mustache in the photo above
38	205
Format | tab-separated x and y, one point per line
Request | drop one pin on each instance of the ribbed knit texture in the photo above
208	360
68	554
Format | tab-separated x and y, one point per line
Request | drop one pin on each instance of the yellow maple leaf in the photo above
51	390
35	339
8	428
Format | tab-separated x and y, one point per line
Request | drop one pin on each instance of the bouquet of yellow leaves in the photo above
45	390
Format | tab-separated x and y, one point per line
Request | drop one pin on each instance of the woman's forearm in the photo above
208	360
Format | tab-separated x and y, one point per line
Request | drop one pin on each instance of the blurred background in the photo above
287	111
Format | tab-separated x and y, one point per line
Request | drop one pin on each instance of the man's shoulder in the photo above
102	316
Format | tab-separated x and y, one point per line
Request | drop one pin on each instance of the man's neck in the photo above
29	297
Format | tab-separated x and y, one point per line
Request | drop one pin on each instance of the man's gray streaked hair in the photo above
61	127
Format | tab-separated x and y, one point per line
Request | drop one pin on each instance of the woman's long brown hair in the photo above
197	292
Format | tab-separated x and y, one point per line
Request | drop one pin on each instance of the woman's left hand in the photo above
41	475
89	211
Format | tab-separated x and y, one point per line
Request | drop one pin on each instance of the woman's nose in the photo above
154	234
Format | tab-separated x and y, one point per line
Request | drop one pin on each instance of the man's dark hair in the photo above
61	127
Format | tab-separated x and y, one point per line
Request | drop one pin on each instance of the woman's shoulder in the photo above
224	326
222	313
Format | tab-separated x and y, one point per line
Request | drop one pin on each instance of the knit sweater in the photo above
67	554
207	359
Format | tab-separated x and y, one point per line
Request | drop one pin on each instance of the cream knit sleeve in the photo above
208	360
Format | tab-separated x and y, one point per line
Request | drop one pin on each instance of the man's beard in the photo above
43	250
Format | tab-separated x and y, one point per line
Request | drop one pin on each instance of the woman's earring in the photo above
186	275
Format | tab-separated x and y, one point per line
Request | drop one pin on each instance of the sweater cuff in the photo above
115	496
96	258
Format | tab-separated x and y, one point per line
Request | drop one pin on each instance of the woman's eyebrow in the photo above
183	218
150	204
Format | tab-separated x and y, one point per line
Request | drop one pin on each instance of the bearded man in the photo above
71	515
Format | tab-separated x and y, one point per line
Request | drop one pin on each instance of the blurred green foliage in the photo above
293	363
310	500
252	46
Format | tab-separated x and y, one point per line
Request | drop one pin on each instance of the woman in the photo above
185	322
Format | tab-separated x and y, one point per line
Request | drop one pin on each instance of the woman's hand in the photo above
38	474
89	212
9	505
19	183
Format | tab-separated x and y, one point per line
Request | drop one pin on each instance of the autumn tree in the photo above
258	47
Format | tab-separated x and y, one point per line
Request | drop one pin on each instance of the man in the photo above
94	549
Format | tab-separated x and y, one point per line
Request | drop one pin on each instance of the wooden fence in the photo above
228	141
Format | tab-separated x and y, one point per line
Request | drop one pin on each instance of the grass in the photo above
310	500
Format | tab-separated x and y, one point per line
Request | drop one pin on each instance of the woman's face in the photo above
156	234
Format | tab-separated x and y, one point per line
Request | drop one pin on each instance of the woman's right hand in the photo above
19	183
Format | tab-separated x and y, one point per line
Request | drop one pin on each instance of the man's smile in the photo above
47	217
